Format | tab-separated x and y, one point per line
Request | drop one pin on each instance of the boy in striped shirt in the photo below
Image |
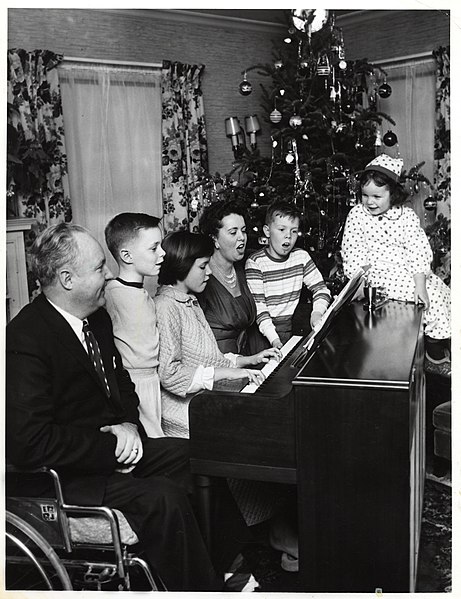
276	274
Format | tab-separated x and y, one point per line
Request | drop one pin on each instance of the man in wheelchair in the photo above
70	406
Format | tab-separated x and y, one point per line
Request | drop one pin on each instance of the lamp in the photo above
233	129
252	126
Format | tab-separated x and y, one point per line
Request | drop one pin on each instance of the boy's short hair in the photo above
124	227
182	248
282	208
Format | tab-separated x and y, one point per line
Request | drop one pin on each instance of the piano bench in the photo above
441	419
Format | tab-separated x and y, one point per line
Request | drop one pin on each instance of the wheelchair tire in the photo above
31	562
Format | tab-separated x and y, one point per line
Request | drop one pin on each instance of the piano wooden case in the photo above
344	421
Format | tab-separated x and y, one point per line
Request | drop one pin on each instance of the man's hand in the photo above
277	343
128	450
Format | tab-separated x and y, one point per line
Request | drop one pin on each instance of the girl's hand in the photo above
265	355
231	374
420	295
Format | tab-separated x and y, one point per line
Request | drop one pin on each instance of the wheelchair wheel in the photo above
31	562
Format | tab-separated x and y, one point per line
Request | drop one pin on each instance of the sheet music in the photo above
348	289
272	364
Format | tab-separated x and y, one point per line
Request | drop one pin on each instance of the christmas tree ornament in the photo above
194	205
378	140
384	90
295	121
416	187
342	64
287	40
278	64
304	65
245	87
301	16
254	204
282	92
390	139
430	204
347	106
358	145
305	136
275	116
289	158
323	66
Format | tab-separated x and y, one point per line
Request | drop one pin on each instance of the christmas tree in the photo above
324	128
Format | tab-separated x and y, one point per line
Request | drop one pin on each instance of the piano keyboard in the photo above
272	364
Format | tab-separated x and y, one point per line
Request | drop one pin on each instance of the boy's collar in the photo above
130	283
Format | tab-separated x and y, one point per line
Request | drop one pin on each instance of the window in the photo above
112	122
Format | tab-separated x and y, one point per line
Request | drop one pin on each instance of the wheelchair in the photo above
51	545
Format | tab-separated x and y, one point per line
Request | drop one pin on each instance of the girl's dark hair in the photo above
182	248
397	192
212	215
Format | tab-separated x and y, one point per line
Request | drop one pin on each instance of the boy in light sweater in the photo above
134	240
276	274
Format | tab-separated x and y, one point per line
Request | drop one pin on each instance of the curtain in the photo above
412	106
440	232
442	146
112	117
184	153
40	178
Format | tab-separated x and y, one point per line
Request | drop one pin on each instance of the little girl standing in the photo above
386	235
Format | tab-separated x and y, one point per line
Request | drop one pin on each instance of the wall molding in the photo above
199	18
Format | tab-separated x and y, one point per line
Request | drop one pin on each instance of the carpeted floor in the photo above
434	572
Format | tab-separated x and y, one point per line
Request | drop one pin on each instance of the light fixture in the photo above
233	130
252	126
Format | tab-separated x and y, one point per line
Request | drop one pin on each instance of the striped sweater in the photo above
276	286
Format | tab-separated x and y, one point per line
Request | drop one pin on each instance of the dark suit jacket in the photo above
55	402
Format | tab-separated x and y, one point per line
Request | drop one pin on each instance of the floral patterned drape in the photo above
37	171
439	233
442	124
36	159
184	152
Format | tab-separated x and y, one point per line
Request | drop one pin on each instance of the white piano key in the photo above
272	364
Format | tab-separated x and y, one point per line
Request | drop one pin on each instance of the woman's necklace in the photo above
228	280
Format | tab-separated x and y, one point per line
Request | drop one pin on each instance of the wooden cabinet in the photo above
17	292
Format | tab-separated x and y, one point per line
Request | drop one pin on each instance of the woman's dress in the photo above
232	319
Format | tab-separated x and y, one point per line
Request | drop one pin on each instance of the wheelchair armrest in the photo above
41	470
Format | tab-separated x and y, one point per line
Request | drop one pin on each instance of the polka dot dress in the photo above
396	247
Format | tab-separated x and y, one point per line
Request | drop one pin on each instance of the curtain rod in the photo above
117	63
397	59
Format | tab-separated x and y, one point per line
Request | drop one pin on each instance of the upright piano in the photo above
342	418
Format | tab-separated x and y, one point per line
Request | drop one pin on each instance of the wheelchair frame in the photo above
39	535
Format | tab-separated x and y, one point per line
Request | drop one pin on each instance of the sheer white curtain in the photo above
412	106
112	123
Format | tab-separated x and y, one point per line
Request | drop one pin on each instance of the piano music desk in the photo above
347	427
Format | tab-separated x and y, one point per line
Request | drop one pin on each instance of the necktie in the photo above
95	355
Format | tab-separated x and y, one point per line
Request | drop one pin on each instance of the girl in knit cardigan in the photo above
190	360
189	357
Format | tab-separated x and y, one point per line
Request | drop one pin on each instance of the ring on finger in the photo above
135	450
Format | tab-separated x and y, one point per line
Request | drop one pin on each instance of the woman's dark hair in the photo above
397	192
182	249
212	216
